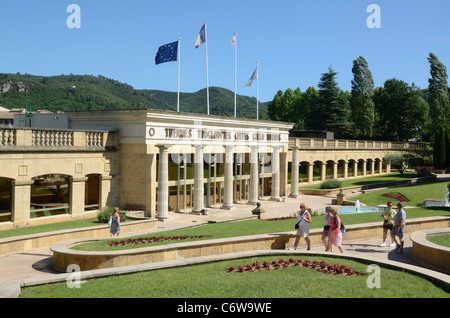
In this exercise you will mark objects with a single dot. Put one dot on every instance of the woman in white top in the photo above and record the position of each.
(326, 227)
(304, 218)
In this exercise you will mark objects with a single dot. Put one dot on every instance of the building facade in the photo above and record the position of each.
(161, 161)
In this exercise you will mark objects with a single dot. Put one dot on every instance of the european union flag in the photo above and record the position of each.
(167, 53)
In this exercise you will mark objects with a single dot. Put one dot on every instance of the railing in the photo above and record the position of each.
(7, 137)
(62, 139)
(335, 144)
(51, 138)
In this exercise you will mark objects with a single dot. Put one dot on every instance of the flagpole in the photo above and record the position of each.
(235, 68)
(178, 82)
(257, 79)
(207, 82)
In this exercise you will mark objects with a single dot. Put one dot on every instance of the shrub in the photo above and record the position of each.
(331, 184)
(106, 212)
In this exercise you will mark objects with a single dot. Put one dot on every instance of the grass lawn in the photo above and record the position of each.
(443, 239)
(395, 176)
(212, 280)
(416, 193)
(73, 224)
(254, 227)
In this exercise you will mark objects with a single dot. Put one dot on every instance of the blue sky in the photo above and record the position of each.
(295, 41)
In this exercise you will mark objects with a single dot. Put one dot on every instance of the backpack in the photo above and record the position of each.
(342, 226)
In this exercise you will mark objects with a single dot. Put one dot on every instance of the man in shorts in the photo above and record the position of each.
(399, 227)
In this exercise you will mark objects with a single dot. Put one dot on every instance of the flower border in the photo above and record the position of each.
(396, 196)
(148, 240)
(322, 267)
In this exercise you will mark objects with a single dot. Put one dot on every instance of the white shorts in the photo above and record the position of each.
(303, 230)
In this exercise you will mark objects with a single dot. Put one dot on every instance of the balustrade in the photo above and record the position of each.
(11, 138)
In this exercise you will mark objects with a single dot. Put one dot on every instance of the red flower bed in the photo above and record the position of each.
(322, 267)
(153, 239)
(396, 196)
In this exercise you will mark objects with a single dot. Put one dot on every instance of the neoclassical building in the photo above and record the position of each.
(161, 161)
(173, 161)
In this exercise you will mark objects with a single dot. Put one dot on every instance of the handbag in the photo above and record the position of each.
(296, 225)
(110, 221)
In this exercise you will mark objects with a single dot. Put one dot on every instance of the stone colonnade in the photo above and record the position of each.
(323, 165)
(276, 169)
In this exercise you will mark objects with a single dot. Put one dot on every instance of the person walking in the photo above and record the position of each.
(388, 223)
(115, 222)
(326, 227)
(304, 218)
(399, 227)
(335, 231)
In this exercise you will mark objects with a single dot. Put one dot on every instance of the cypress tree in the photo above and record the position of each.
(361, 102)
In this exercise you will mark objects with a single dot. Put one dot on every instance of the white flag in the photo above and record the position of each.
(233, 40)
(254, 77)
(201, 37)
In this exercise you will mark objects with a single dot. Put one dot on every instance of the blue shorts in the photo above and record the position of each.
(399, 231)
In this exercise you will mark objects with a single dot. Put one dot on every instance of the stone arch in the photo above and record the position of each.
(352, 168)
(6, 199)
(303, 171)
(342, 169)
(50, 195)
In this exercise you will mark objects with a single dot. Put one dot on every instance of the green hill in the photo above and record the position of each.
(87, 92)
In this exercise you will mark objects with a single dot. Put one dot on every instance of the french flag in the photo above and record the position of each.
(201, 37)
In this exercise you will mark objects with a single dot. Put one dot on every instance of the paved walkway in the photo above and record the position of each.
(36, 264)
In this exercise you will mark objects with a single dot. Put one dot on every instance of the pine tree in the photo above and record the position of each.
(333, 106)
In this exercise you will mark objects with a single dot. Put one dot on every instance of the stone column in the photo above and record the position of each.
(355, 168)
(105, 189)
(199, 191)
(21, 194)
(254, 175)
(323, 171)
(228, 179)
(380, 167)
(310, 172)
(163, 183)
(294, 173)
(364, 167)
(335, 170)
(345, 169)
(150, 185)
(77, 194)
(275, 173)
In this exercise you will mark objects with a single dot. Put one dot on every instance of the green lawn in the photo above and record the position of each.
(254, 227)
(395, 176)
(443, 239)
(416, 193)
(212, 280)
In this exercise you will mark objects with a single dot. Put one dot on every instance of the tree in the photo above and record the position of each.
(310, 101)
(439, 110)
(361, 102)
(283, 107)
(400, 108)
(333, 106)
(438, 94)
(273, 109)
(401, 161)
